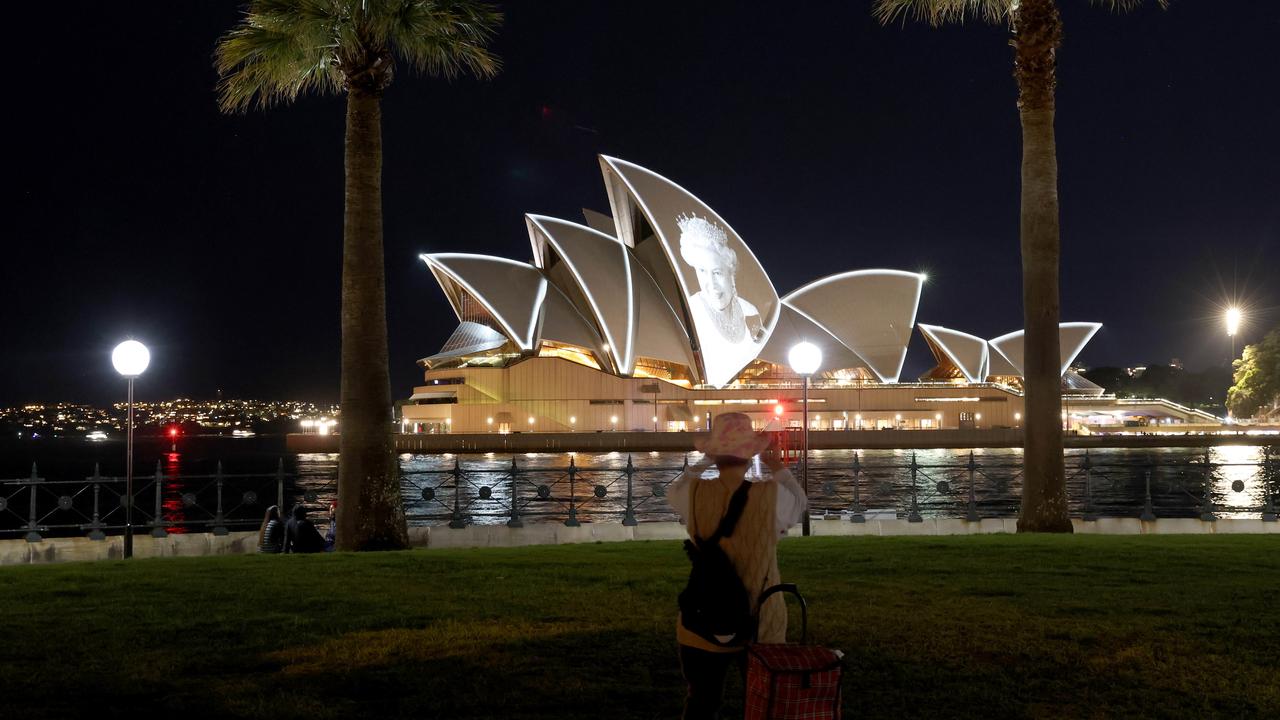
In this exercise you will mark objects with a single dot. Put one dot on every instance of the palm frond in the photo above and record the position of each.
(280, 49)
(442, 37)
(941, 12)
(283, 48)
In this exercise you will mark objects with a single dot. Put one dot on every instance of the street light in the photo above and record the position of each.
(805, 358)
(130, 359)
(1233, 318)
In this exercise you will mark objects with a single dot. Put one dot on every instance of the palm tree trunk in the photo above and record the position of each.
(1038, 28)
(370, 509)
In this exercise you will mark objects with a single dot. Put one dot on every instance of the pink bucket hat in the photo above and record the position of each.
(731, 434)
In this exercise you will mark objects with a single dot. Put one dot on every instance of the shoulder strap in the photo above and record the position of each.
(737, 503)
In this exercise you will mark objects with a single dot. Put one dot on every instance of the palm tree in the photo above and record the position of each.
(1037, 33)
(283, 48)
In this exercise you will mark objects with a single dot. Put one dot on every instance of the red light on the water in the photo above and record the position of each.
(173, 432)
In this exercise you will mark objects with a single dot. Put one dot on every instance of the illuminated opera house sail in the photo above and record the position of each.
(660, 316)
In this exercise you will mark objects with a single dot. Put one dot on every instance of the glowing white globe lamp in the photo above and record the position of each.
(805, 358)
(131, 358)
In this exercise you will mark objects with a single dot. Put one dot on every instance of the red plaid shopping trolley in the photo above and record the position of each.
(792, 681)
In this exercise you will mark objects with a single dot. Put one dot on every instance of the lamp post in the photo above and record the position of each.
(805, 358)
(130, 359)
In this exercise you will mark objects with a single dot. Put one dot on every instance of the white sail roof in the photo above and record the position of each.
(511, 291)
(562, 323)
(1072, 337)
(870, 311)
(517, 297)
(600, 266)
(967, 352)
(729, 326)
(612, 290)
(599, 221)
(794, 328)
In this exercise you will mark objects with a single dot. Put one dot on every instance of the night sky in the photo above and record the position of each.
(828, 142)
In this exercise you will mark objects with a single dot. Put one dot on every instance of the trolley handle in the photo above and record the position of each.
(804, 607)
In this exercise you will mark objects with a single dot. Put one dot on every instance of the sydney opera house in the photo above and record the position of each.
(660, 316)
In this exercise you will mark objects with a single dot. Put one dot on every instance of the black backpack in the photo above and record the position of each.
(715, 604)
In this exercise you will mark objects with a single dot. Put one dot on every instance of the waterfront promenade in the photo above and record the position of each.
(443, 537)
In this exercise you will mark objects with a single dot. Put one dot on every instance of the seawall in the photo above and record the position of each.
(21, 552)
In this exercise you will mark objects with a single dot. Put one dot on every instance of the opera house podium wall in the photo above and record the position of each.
(558, 395)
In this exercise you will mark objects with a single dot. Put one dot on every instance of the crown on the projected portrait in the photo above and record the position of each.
(700, 231)
(704, 243)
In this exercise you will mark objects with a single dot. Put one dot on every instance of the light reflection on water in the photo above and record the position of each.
(1116, 483)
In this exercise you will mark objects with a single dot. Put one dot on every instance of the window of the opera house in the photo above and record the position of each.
(437, 401)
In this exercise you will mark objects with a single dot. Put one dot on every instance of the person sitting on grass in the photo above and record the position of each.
(301, 535)
(271, 534)
(331, 535)
(748, 518)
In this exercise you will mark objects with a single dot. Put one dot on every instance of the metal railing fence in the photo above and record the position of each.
(970, 487)
(214, 502)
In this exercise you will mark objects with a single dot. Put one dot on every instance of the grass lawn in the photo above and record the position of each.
(991, 626)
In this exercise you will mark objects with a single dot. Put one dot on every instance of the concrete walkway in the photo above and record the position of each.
(21, 552)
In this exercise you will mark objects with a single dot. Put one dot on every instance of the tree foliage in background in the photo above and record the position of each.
(1036, 34)
(1204, 390)
(282, 49)
(1256, 388)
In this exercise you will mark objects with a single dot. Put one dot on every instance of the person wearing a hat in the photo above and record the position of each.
(771, 508)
